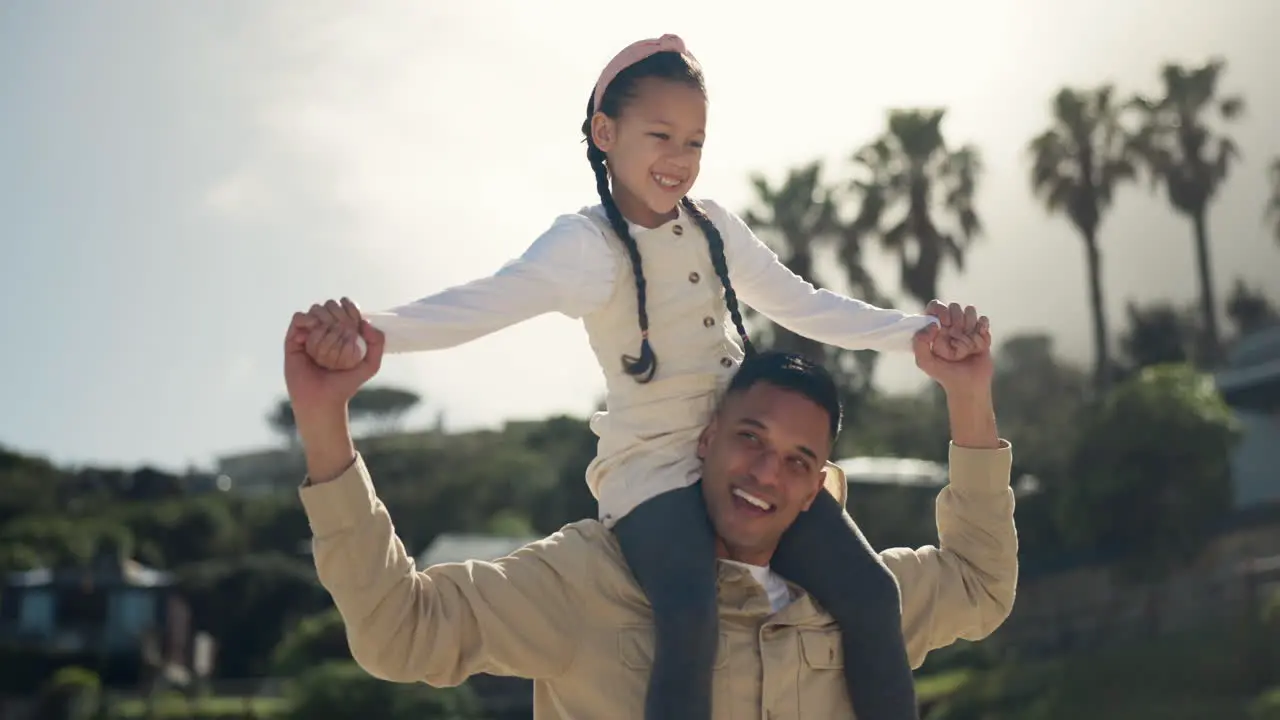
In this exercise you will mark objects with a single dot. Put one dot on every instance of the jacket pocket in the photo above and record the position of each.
(635, 649)
(822, 691)
(821, 649)
(635, 653)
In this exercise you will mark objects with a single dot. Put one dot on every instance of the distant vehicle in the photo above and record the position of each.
(893, 471)
(912, 472)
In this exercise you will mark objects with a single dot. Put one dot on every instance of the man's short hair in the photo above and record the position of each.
(795, 373)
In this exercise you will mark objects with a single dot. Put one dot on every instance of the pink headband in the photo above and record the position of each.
(632, 54)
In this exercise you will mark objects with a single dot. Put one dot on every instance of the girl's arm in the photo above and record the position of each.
(767, 285)
(569, 269)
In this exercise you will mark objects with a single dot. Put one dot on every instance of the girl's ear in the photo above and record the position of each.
(704, 438)
(603, 131)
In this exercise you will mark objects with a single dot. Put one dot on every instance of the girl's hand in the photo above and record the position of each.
(334, 334)
(315, 391)
(962, 332)
(968, 377)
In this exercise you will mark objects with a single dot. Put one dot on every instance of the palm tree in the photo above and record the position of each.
(1273, 202)
(797, 217)
(1076, 165)
(1185, 155)
(910, 171)
(1249, 309)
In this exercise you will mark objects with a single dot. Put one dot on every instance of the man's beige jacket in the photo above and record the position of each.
(566, 612)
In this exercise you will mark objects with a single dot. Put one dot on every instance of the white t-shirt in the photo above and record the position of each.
(774, 586)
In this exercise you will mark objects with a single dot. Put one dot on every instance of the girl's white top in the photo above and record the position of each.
(578, 267)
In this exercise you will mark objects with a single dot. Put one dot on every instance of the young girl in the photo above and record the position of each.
(650, 253)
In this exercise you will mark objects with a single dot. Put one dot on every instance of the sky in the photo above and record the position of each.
(177, 178)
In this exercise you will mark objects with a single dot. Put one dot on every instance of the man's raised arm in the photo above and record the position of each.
(965, 587)
(516, 616)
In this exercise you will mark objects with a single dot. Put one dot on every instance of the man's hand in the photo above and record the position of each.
(961, 330)
(339, 347)
(958, 354)
(967, 382)
(310, 384)
(319, 396)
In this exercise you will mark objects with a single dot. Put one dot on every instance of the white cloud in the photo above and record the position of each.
(240, 370)
(242, 195)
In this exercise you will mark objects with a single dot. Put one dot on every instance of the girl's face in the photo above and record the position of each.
(654, 148)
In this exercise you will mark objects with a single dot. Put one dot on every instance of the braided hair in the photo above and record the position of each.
(715, 243)
(678, 68)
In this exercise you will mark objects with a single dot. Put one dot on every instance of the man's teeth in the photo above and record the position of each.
(665, 181)
(752, 499)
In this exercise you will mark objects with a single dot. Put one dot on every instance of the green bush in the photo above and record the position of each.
(175, 706)
(1151, 473)
(1266, 706)
(342, 691)
(315, 639)
(73, 693)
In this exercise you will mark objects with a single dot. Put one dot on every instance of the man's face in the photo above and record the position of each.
(762, 464)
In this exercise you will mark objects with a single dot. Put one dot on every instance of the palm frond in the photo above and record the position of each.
(1231, 108)
(1176, 142)
(1273, 203)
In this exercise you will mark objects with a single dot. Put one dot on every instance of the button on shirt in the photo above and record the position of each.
(578, 267)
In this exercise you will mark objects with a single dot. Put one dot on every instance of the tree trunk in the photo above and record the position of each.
(921, 277)
(1101, 338)
(1207, 298)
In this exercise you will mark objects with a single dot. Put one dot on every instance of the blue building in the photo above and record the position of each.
(1250, 382)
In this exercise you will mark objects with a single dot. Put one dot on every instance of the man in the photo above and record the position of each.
(566, 612)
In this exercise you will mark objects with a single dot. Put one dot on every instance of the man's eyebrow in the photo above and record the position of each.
(802, 449)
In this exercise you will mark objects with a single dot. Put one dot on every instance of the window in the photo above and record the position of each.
(129, 613)
(36, 612)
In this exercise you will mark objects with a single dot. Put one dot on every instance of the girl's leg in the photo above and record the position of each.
(670, 545)
(825, 553)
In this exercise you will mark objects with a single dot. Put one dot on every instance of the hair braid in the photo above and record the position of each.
(715, 242)
(642, 368)
(666, 65)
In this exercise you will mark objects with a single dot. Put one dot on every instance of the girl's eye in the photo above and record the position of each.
(661, 136)
(697, 144)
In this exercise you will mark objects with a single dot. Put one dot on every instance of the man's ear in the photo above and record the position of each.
(604, 131)
(704, 439)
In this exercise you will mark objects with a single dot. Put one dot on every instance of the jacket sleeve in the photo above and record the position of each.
(964, 588)
(514, 616)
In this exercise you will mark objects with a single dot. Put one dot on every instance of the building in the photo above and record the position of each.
(113, 613)
(1250, 382)
(263, 473)
(280, 470)
(460, 547)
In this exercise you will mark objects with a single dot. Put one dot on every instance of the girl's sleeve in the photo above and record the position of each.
(763, 282)
(568, 269)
